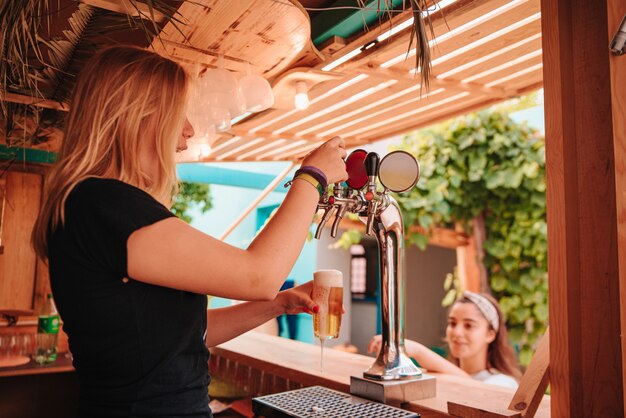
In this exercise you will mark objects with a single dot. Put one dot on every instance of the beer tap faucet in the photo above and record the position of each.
(397, 172)
(328, 209)
(373, 200)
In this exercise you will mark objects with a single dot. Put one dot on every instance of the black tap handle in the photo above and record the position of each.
(371, 164)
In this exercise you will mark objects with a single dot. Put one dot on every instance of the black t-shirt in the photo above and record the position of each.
(138, 348)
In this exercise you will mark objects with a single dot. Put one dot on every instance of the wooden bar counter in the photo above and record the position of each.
(261, 364)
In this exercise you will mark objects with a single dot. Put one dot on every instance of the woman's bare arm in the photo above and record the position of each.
(173, 254)
(227, 323)
(427, 358)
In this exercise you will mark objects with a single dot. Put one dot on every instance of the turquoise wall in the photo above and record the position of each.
(230, 201)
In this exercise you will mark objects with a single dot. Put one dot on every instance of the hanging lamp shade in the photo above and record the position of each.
(257, 93)
(222, 89)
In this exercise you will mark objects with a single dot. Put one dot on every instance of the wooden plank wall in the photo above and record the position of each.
(585, 357)
(616, 10)
(17, 263)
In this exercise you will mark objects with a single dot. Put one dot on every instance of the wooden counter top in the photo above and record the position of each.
(62, 364)
(299, 362)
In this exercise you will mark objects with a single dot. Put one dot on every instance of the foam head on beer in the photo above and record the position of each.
(328, 295)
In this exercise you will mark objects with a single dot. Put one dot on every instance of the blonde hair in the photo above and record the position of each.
(124, 96)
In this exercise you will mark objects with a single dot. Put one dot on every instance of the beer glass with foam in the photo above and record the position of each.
(328, 295)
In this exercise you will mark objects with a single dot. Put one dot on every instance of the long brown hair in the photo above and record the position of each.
(123, 97)
(500, 354)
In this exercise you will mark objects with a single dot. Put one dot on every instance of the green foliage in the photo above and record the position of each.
(350, 237)
(485, 163)
(196, 194)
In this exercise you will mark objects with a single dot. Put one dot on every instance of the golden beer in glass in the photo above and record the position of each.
(328, 295)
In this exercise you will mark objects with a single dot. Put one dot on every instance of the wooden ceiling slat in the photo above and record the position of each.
(388, 114)
(489, 76)
(388, 111)
(507, 63)
(528, 79)
(228, 146)
(408, 123)
(447, 43)
(380, 127)
(448, 114)
(315, 110)
(297, 153)
(267, 134)
(242, 147)
(516, 77)
(448, 84)
(337, 126)
(223, 141)
(515, 43)
(267, 145)
(254, 147)
(318, 92)
(359, 107)
(283, 149)
(453, 16)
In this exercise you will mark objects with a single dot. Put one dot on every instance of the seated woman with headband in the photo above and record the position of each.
(478, 341)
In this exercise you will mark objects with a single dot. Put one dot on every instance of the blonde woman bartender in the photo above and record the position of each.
(129, 278)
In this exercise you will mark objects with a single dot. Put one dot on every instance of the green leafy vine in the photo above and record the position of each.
(191, 194)
(485, 163)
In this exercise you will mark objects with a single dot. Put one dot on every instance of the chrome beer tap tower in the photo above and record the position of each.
(398, 172)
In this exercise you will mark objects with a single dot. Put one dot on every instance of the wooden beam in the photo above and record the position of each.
(17, 264)
(35, 101)
(616, 11)
(585, 352)
(245, 133)
(470, 266)
(390, 73)
(270, 187)
(533, 385)
(440, 117)
(438, 20)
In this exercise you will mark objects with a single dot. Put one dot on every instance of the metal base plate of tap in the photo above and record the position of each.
(320, 402)
(394, 392)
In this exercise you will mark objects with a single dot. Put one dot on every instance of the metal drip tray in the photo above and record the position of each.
(320, 402)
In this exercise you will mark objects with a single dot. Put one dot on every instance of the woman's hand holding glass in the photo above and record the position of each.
(297, 300)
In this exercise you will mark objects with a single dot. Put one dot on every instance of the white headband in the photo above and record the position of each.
(485, 307)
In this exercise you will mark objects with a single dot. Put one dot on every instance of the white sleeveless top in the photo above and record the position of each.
(494, 377)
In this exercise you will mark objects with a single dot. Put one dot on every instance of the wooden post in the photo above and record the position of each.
(533, 385)
(616, 10)
(585, 352)
(269, 189)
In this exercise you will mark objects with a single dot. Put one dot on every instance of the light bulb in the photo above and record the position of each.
(302, 98)
(205, 150)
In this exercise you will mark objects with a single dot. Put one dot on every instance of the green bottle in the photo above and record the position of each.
(47, 332)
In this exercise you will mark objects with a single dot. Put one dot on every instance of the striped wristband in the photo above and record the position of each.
(313, 182)
(314, 172)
